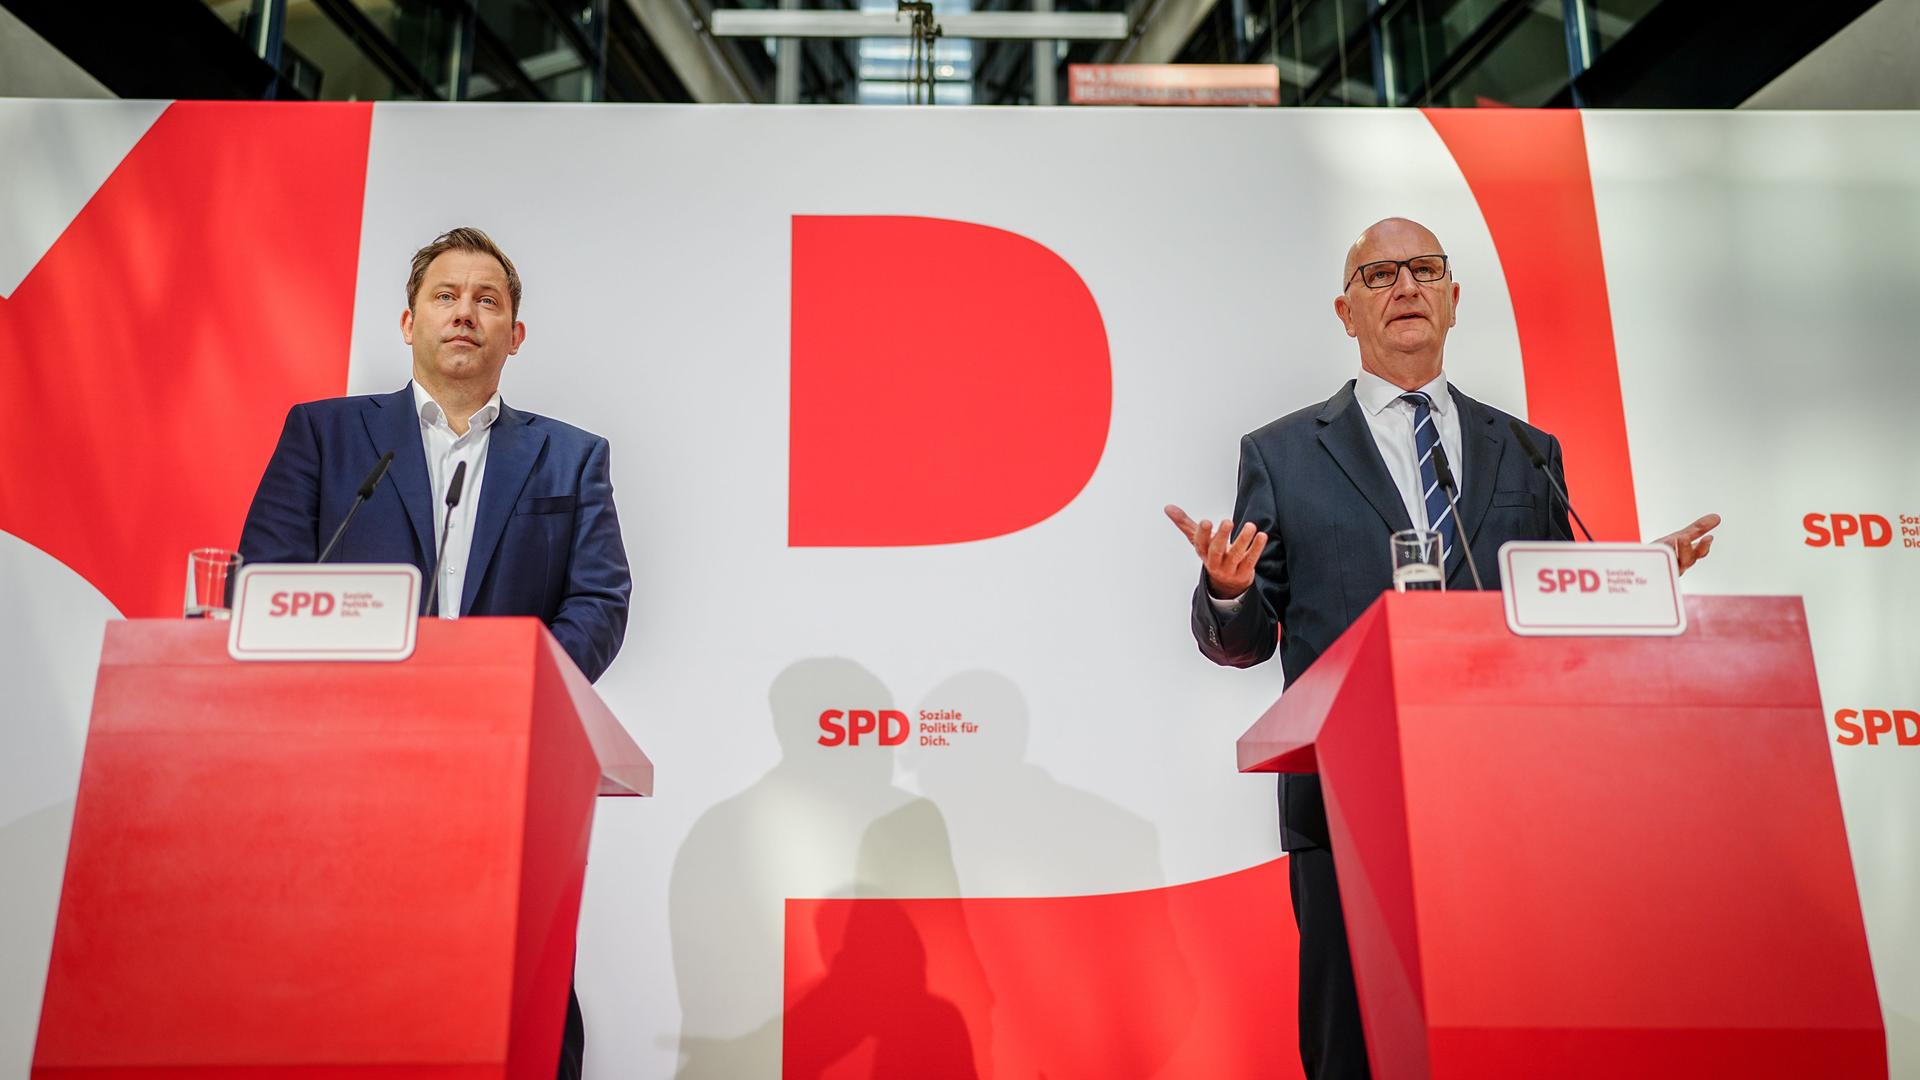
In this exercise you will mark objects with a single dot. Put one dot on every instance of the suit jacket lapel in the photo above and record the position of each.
(1346, 436)
(512, 448)
(1482, 446)
(393, 425)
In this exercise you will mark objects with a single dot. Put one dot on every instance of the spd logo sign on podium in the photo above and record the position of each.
(295, 612)
(1559, 589)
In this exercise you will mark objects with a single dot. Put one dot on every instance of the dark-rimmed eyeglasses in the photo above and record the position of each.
(1380, 275)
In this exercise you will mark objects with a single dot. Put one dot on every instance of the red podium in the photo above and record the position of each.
(1586, 857)
(328, 870)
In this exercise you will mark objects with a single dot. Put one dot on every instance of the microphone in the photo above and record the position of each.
(453, 500)
(366, 491)
(1540, 462)
(1444, 473)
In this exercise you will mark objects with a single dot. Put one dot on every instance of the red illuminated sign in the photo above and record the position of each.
(1173, 84)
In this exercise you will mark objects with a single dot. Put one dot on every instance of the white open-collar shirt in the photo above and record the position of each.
(445, 451)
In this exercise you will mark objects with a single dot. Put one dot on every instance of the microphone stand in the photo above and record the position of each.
(1540, 462)
(453, 500)
(1444, 473)
(366, 491)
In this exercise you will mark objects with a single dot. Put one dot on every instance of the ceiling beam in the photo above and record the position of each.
(679, 30)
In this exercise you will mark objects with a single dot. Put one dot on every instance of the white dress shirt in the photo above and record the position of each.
(445, 451)
(1390, 418)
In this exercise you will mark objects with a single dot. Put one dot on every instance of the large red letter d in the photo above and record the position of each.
(950, 382)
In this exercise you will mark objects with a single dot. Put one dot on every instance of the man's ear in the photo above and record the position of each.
(1453, 309)
(1345, 311)
(519, 337)
(406, 326)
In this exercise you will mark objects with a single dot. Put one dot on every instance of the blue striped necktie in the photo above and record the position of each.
(1426, 435)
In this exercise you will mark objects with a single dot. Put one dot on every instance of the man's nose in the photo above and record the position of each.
(464, 310)
(1403, 283)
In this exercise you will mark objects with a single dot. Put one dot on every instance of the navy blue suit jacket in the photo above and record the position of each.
(545, 542)
(1315, 483)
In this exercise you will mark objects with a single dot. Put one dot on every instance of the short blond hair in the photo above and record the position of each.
(469, 239)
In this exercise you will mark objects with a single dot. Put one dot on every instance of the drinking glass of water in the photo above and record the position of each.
(1418, 561)
(210, 576)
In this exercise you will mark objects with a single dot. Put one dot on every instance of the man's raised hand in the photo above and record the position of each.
(1229, 559)
(1692, 543)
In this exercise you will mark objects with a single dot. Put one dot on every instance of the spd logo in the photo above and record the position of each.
(291, 604)
(844, 728)
(1900, 727)
(1566, 580)
(1838, 530)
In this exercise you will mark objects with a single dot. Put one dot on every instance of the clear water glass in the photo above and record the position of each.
(1418, 561)
(210, 577)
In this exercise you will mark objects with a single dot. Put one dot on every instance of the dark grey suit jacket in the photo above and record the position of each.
(1315, 483)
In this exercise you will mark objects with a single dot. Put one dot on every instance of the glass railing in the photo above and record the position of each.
(368, 50)
(1424, 52)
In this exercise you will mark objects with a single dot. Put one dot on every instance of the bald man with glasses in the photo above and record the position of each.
(1306, 550)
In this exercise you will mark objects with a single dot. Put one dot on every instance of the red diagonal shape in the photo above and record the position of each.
(153, 352)
(1194, 980)
(1528, 171)
(950, 382)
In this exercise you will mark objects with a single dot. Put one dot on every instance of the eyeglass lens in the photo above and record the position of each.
(1379, 275)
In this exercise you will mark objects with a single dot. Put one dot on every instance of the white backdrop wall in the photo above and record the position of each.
(1757, 267)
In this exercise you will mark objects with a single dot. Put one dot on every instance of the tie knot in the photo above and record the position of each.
(1417, 400)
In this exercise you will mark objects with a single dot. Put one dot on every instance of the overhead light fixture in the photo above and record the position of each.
(976, 25)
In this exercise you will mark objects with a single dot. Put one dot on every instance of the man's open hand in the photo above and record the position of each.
(1229, 559)
(1692, 543)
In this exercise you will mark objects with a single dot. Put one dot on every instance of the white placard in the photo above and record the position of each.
(351, 612)
(1602, 590)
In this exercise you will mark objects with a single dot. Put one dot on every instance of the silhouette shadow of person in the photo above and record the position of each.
(802, 830)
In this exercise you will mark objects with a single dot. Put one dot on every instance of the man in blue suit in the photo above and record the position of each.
(534, 532)
(1320, 492)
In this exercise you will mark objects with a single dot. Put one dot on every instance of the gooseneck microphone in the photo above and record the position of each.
(1444, 473)
(366, 491)
(453, 500)
(1540, 462)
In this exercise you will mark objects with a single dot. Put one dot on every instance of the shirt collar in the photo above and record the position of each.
(1376, 394)
(432, 415)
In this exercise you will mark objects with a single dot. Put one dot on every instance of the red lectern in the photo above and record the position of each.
(1586, 857)
(328, 870)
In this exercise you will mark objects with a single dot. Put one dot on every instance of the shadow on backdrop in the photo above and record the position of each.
(873, 1014)
(801, 830)
(1083, 986)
